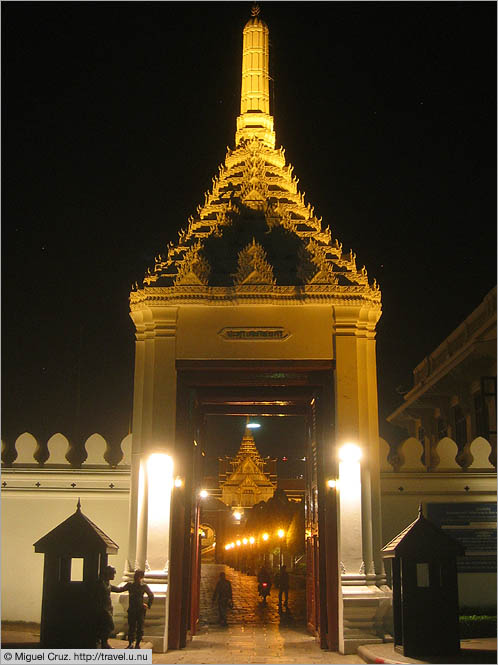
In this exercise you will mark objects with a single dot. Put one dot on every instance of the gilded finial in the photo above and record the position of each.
(255, 9)
(78, 505)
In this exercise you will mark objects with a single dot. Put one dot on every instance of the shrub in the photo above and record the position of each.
(477, 625)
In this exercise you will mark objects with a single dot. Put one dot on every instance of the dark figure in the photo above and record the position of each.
(137, 607)
(223, 593)
(264, 577)
(283, 587)
(105, 623)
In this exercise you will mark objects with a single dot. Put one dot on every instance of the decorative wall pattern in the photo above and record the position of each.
(59, 450)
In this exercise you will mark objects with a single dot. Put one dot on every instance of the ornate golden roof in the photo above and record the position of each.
(255, 238)
(247, 466)
(247, 449)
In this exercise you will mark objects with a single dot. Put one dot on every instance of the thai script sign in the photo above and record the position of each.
(254, 334)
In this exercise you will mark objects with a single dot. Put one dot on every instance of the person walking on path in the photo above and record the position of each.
(105, 623)
(223, 594)
(137, 607)
(283, 587)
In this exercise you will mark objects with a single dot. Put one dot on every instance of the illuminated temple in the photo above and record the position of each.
(256, 310)
(255, 237)
(247, 478)
(280, 304)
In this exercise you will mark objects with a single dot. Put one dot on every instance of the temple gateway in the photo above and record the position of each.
(257, 304)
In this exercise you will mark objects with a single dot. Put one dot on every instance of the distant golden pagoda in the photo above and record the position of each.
(251, 478)
(255, 239)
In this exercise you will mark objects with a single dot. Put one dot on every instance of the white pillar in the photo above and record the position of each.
(363, 603)
(350, 511)
(154, 421)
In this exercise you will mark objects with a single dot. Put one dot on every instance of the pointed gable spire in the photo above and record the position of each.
(248, 447)
(255, 119)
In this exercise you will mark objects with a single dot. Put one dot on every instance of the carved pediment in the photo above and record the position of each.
(194, 269)
(253, 266)
(314, 267)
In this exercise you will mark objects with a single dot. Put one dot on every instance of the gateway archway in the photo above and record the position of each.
(259, 389)
(257, 309)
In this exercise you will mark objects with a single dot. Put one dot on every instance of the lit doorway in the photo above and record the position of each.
(259, 390)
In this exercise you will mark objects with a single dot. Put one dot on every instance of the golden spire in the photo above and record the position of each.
(255, 119)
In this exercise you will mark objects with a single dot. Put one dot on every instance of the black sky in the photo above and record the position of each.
(117, 115)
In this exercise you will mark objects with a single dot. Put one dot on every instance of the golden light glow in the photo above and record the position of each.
(203, 494)
(159, 465)
(178, 481)
(227, 547)
(265, 536)
(333, 484)
(280, 533)
(232, 545)
(238, 543)
(251, 540)
(237, 515)
(159, 471)
(350, 452)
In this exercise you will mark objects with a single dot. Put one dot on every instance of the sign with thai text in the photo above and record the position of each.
(254, 334)
(474, 526)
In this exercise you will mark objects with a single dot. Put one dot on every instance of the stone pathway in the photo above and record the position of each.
(256, 633)
(248, 608)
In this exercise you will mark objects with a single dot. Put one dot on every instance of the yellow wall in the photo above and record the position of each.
(310, 332)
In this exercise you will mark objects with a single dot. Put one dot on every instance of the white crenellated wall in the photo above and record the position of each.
(27, 450)
(447, 477)
(37, 497)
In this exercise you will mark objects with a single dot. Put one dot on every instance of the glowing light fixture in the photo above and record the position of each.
(280, 533)
(333, 484)
(251, 540)
(160, 480)
(265, 536)
(253, 425)
(238, 543)
(178, 481)
(203, 494)
(227, 547)
(159, 464)
(350, 452)
(244, 541)
(237, 515)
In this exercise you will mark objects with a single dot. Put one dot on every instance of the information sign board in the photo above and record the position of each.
(473, 524)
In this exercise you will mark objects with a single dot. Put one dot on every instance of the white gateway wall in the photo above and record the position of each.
(413, 483)
(37, 498)
(26, 517)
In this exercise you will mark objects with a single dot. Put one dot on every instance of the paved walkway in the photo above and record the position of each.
(248, 608)
(256, 633)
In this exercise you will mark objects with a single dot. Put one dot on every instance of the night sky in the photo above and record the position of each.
(117, 115)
